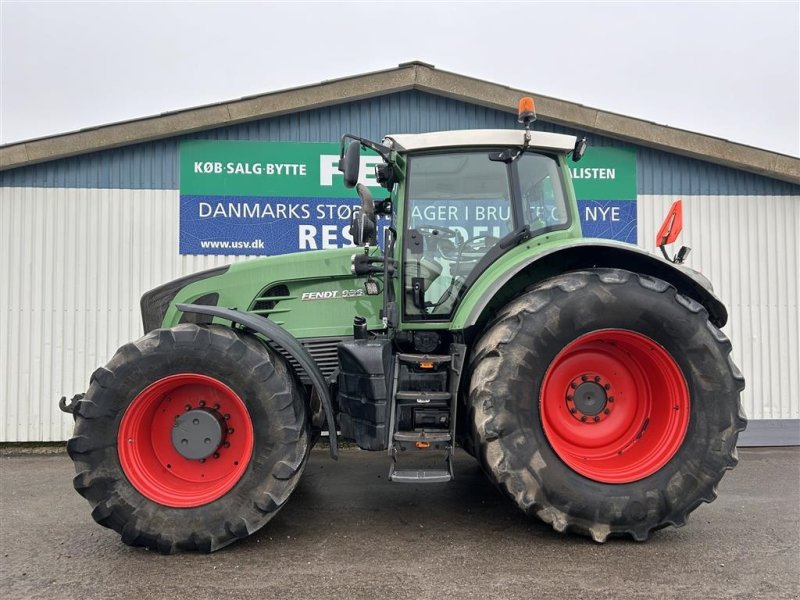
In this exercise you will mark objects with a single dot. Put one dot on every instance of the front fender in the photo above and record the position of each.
(285, 340)
(510, 276)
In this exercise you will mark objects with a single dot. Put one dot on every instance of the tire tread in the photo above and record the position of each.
(101, 481)
(488, 409)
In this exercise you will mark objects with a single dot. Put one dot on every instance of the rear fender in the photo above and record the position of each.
(578, 255)
(279, 336)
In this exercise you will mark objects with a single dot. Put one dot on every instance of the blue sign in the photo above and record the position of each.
(610, 219)
(245, 225)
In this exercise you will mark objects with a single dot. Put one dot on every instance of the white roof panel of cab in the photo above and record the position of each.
(479, 137)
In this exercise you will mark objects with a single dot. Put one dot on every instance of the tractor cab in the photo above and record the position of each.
(459, 201)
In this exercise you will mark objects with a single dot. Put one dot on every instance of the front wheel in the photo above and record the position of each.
(604, 402)
(190, 438)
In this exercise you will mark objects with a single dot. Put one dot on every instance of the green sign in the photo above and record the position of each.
(266, 169)
(605, 174)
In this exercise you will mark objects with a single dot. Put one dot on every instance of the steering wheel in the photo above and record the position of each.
(441, 240)
(479, 244)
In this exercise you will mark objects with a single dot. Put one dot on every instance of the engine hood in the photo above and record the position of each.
(311, 294)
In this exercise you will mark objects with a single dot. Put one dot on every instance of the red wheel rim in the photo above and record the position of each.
(153, 465)
(614, 406)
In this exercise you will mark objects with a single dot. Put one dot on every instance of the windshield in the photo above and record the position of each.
(458, 206)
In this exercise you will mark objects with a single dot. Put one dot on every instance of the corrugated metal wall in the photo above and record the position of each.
(748, 247)
(74, 263)
(82, 238)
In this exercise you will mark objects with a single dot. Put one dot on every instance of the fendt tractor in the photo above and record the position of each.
(589, 378)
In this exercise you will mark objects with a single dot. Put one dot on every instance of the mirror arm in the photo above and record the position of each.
(679, 258)
(384, 151)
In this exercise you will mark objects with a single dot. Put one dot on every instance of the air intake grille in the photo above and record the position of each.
(323, 351)
(266, 303)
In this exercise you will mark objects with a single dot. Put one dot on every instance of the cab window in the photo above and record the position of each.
(542, 191)
(458, 206)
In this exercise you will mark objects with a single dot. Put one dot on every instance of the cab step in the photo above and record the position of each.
(420, 475)
(422, 436)
(422, 397)
(415, 359)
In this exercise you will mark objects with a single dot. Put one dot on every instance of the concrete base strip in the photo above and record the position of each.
(771, 432)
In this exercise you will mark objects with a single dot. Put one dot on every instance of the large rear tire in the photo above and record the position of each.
(135, 472)
(605, 403)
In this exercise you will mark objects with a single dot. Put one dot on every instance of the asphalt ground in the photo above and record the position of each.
(348, 533)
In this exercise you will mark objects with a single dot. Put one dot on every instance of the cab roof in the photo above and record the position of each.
(479, 137)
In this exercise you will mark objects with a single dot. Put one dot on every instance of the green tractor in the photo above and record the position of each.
(589, 378)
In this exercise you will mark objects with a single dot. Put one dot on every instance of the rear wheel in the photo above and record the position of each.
(600, 396)
(189, 439)
(604, 402)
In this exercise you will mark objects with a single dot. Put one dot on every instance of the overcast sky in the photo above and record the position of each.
(726, 69)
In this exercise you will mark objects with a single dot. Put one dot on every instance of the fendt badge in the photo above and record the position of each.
(332, 294)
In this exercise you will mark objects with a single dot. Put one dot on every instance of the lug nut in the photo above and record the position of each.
(216, 406)
(202, 460)
(216, 454)
(573, 385)
(584, 378)
(606, 411)
(583, 419)
(202, 402)
(611, 398)
(226, 445)
(226, 417)
(230, 429)
(607, 386)
(597, 378)
(597, 419)
(188, 407)
(573, 410)
(569, 398)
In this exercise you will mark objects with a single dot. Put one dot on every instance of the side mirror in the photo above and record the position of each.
(349, 163)
(356, 231)
(363, 229)
(580, 148)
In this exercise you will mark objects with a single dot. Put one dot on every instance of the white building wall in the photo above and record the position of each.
(74, 262)
(748, 246)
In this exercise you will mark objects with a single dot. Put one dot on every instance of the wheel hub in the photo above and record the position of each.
(198, 433)
(590, 398)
